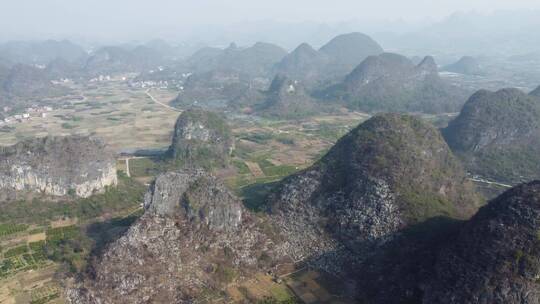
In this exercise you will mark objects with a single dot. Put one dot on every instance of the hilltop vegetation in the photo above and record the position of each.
(497, 134)
(201, 139)
(391, 82)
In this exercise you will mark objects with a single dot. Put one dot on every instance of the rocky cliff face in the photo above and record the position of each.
(495, 258)
(201, 139)
(391, 172)
(194, 238)
(57, 166)
(361, 201)
(498, 135)
(391, 82)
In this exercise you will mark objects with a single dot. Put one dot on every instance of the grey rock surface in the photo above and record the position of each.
(58, 166)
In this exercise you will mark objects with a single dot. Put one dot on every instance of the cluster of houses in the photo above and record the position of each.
(33, 111)
(108, 78)
(151, 84)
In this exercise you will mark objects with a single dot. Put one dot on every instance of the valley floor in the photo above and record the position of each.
(38, 247)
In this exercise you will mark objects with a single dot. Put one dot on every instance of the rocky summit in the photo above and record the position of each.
(393, 83)
(57, 166)
(495, 257)
(201, 139)
(391, 172)
(497, 134)
(194, 238)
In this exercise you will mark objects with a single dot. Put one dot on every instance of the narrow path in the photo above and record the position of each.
(127, 168)
(147, 92)
(126, 160)
(480, 180)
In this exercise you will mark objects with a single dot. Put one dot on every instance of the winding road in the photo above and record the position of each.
(147, 92)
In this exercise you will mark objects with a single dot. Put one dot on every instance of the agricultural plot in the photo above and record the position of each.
(126, 118)
(315, 287)
(21, 258)
(11, 229)
(45, 294)
(266, 151)
(261, 289)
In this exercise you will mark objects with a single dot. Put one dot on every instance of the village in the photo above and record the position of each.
(28, 113)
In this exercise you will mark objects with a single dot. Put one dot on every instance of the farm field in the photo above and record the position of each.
(126, 118)
(40, 242)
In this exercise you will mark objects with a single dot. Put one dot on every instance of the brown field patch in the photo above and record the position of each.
(255, 169)
(36, 237)
(64, 222)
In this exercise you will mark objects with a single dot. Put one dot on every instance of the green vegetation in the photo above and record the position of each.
(254, 195)
(15, 251)
(290, 300)
(140, 167)
(21, 258)
(9, 229)
(210, 150)
(258, 137)
(421, 206)
(68, 126)
(68, 245)
(126, 195)
(46, 299)
(225, 274)
(241, 167)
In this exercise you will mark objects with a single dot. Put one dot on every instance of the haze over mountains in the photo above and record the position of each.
(310, 164)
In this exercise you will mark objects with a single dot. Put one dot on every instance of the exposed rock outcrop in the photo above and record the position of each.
(495, 258)
(194, 238)
(391, 172)
(497, 134)
(201, 139)
(58, 166)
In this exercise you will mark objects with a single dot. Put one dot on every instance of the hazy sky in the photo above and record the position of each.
(127, 18)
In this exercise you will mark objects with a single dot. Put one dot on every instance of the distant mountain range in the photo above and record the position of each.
(334, 60)
(23, 84)
(392, 82)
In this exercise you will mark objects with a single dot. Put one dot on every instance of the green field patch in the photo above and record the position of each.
(15, 251)
(142, 167)
(10, 229)
(125, 196)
